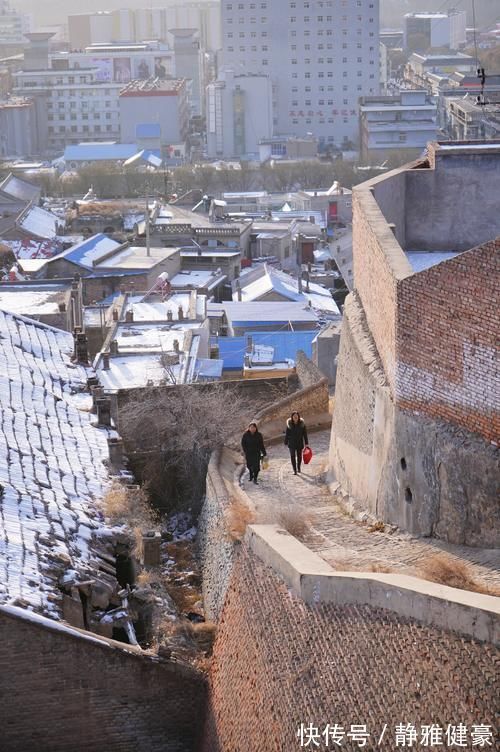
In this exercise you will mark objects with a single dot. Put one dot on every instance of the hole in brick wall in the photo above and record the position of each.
(408, 495)
(403, 463)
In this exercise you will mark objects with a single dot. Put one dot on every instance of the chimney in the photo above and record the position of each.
(151, 549)
(62, 307)
(115, 314)
(249, 344)
(91, 382)
(246, 361)
(113, 347)
(81, 350)
(97, 393)
(103, 411)
(176, 345)
(180, 313)
(299, 280)
(238, 290)
(105, 361)
(170, 315)
(307, 282)
(115, 448)
(129, 316)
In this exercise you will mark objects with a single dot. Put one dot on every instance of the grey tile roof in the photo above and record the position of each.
(51, 464)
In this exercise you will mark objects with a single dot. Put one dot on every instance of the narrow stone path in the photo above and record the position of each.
(304, 505)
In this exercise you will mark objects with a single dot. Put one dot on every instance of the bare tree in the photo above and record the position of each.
(175, 430)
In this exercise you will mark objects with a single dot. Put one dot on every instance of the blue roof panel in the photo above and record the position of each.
(95, 151)
(286, 344)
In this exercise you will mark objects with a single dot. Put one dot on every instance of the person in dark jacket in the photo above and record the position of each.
(252, 443)
(296, 439)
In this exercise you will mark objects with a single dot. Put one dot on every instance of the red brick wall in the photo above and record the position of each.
(278, 662)
(447, 341)
(60, 693)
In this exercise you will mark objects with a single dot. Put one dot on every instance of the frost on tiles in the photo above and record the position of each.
(51, 465)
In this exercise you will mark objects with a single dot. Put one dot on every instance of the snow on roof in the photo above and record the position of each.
(51, 465)
(41, 223)
(90, 251)
(272, 280)
(20, 189)
(196, 278)
(421, 260)
(263, 312)
(155, 309)
(31, 300)
(29, 248)
(135, 257)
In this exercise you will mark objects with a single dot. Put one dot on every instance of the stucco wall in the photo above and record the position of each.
(455, 206)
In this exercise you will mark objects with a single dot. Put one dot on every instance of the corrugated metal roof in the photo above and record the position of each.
(20, 189)
(90, 250)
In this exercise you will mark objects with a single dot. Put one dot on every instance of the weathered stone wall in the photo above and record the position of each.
(447, 341)
(279, 663)
(64, 691)
(425, 475)
(216, 549)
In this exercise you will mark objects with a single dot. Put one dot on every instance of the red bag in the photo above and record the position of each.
(307, 454)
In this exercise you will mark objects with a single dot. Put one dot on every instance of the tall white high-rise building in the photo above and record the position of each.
(322, 55)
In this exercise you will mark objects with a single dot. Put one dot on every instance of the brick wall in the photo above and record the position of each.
(447, 341)
(378, 263)
(62, 691)
(278, 663)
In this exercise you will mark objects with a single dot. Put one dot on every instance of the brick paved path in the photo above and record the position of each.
(345, 543)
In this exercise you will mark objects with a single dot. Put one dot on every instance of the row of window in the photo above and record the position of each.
(76, 129)
(84, 116)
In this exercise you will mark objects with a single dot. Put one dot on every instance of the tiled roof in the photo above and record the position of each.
(51, 464)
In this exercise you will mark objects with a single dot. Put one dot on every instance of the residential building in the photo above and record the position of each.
(420, 67)
(466, 120)
(18, 135)
(422, 31)
(239, 114)
(158, 102)
(321, 58)
(267, 284)
(405, 121)
(234, 319)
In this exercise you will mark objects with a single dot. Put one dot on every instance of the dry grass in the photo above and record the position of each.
(350, 565)
(129, 505)
(238, 517)
(377, 527)
(295, 520)
(446, 570)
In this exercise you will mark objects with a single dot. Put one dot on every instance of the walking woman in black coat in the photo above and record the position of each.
(253, 447)
(296, 439)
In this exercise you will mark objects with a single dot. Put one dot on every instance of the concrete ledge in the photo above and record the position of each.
(315, 581)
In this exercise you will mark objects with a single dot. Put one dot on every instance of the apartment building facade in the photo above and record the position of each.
(321, 55)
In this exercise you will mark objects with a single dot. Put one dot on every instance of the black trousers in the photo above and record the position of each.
(296, 458)
(253, 464)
